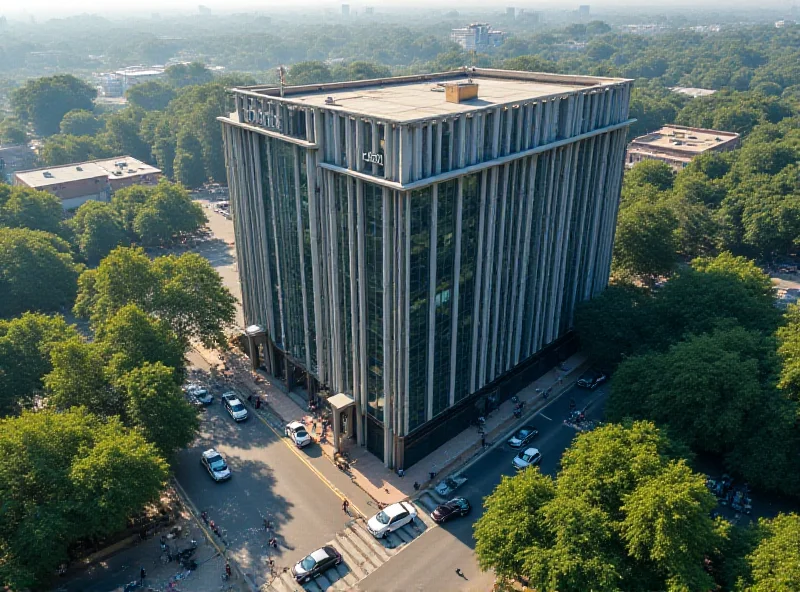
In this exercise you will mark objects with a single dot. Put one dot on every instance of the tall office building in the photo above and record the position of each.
(414, 243)
(477, 36)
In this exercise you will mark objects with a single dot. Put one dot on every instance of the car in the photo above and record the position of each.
(215, 465)
(526, 458)
(391, 518)
(458, 506)
(200, 393)
(522, 436)
(316, 563)
(297, 432)
(235, 407)
(591, 379)
(195, 402)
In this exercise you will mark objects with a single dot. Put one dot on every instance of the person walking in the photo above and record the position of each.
(483, 440)
(142, 576)
(346, 506)
(459, 573)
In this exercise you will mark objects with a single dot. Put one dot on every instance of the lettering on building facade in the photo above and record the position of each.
(373, 158)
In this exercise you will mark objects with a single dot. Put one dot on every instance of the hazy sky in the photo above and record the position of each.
(43, 9)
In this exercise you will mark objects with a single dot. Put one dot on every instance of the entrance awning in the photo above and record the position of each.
(341, 401)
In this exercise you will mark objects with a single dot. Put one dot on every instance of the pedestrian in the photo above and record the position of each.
(459, 573)
(416, 486)
(314, 426)
(273, 542)
(483, 440)
(560, 379)
(250, 398)
(266, 524)
(204, 516)
(227, 569)
(258, 402)
(142, 575)
(346, 506)
(401, 473)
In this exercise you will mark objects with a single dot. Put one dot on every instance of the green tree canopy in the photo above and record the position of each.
(156, 406)
(645, 244)
(23, 207)
(12, 132)
(37, 272)
(82, 478)
(60, 149)
(167, 213)
(80, 122)
(98, 230)
(25, 346)
(181, 75)
(651, 172)
(308, 73)
(789, 351)
(774, 564)
(151, 96)
(188, 164)
(43, 102)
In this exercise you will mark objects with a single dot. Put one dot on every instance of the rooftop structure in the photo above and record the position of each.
(477, 36)
(678, 145)
(79, 182)
(412, 243)
(693, 92)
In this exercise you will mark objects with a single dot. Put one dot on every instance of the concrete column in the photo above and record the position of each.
(428, 167)
(388, 353)
(301, 249)
(511, 326)
(355, 327)
(362, 302)
(456, 290)
(530, 199)
(406, 155)
(335, 144)
(389, 155)
(486, 303)
(462, 141)
(432, 301)
(477, 311)
(498, 281)
(496, 133)
(270, 174)
(437, 154)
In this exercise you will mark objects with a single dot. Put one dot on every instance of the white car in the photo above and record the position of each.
(198, 392)
(391, 518)
(297, 432)
(235, 407)
(526, 458)
(215, 465)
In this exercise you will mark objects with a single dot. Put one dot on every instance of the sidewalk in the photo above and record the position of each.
(366, 470)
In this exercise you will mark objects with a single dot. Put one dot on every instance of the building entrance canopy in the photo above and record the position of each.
(342, 406)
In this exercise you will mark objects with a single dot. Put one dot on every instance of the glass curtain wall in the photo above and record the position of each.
(373, 251)
(343, 187)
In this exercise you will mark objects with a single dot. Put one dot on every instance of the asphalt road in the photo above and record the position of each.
(429, 563)
(269, 480)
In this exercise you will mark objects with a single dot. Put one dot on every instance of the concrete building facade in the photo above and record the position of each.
(677, 145)
(413, 242)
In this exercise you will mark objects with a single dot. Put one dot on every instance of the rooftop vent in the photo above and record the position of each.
(48, 174)
(330, 101)
(459, 92)
(78, 168)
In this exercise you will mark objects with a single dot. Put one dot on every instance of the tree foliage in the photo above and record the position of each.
(37, 272)
(80, 122)
(23, 207)
(645, 245)
(151, 96)
(65, 477)
(12, 132)
(774, 563)
(623, 513)
(43, 102)
(98, 230)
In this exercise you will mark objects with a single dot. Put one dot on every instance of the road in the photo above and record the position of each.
(269, 480)
(430, 562)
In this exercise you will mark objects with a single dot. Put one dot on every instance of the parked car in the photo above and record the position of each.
(522, 436)
(526, 458)
(215, 465)
(297, 432)
(591, 379)
(456, 507)
(235, 407)
(195, 402)
(315, 564)
(391, 518)
(199, 392)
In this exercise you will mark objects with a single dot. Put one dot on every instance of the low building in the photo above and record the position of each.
(75, 184)
(693, 92)
(477, 36)
(134, 75)
(677, 145)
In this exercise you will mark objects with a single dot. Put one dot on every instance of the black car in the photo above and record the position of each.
(591, 378)
(455, 508)
(522, 436)
(315, 564)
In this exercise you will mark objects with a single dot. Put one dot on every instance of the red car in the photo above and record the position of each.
(455, 508)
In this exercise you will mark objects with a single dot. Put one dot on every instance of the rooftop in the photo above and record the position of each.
(419, 97)
(690, 140)
(113, 168)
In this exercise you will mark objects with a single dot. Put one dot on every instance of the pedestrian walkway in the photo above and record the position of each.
(366, 470)
(361, 554)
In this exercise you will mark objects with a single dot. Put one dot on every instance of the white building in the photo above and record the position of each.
(477, 36)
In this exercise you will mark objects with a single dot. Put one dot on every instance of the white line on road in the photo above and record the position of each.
(547, 418)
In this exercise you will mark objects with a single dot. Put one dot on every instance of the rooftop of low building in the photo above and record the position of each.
(120, 167)
(691, 140)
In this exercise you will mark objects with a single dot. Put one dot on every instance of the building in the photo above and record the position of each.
(134, 75)
(677, 145)
(369, 10)
(511, 12)
(692, 91)
(584, 11)
(477, 36)
(77, 183)
(345, 10)
(418, 244)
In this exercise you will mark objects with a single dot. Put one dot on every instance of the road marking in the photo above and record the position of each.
(305, 461)
(547, 418)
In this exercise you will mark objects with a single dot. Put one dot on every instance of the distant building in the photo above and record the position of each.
(75, 184)
(677, 145)
(345, 10)
(511, 12)
(648, 29)
(13, 158)
(583, 11)
(369, 10)
(693, 92)
(134, 75)
(477, 36)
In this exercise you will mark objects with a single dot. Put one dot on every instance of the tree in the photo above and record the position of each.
(80, 122)
(156, 406)
(36, 272)
(623, 514)
(131, 338)
(789, 351)
(193, 74)
(645, 244)
(185, 292)
(364, 71)
(167, 213)
(60, 149)
(188, 165)
(83, 478)
(128, 201)
(753, 279)
(651, 172)
(43, 102)
(774, 564)
(303, 73)
(97, 230)
(78, 379)
(150, 96)
(529, 63)
(12, 132)
(23, 207)
(122, 133)
(25, 345)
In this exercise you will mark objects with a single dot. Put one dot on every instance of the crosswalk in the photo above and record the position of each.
(361, 552)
